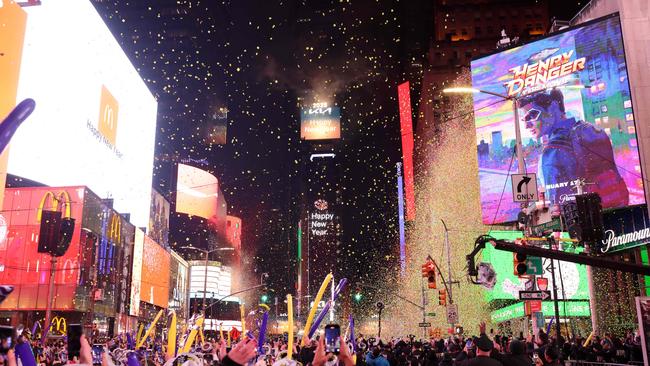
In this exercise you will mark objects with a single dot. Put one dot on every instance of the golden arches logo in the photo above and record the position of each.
(114, 231)
(108, 112)
(55, 201)
(58, 326)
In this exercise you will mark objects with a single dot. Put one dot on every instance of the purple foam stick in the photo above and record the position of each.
(319, 319)
(11, 123)
(132, 359)
(36, 324)
(260, 341)
(24, 353)
(548, 328)
(129, 341)
(354, 341)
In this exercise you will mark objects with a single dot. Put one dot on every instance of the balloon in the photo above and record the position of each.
(290, 326)
(319, 319)
(190, 340)
(242, 314)
(132, 359)
(351, 327)
(11, 123)
(312, 312)
(129, 341)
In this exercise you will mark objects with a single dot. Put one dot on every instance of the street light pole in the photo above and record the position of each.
(205, 274)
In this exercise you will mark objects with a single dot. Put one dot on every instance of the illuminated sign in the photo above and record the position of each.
(625, 229)
(573, 309)
(154, 287)
(539, 75)
(320, 122)
(108, 133)
(406, 130)
(508, 285)
(319, 222)
(136, 273)
(576, 119)
(197, 192)
(219, 280)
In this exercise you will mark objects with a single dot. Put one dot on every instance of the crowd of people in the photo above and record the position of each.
(485, 349)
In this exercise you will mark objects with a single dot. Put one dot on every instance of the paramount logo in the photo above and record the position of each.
(612, 241)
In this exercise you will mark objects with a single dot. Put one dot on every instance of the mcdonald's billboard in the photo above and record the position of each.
(110, 127)
(20, 263)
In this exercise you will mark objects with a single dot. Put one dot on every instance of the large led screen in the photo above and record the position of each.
(197, 192)
(576, 119)
(21, 265)
(154, 288)
(320, 123)
(574, 284)
(95, 119)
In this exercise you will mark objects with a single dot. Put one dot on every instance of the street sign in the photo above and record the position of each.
(424, 325)
(524, 187)
(532, 306)
(542, 283)
(452, 313)
(431, 314)
(539, 319)
(534, 295)
(534, 266)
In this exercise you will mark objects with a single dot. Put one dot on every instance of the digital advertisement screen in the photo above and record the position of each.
(406, 129)
(159, 219)
(219, 280)
(197, 192)
(320, 123)
(154, 287)
(508, 285)
(21, 265)
(95, 119)
(136, 273)
(576, 119)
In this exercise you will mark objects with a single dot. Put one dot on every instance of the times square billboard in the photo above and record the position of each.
(320, 122)
(95, 120)
(576, 118)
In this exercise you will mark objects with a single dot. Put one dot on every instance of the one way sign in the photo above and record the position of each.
(524, 187)
(534, 295)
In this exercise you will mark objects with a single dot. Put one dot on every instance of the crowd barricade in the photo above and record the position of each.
(586, 363)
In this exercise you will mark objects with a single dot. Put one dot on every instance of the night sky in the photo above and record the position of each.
(261, 60)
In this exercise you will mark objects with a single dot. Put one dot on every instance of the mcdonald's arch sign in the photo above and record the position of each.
(57, 202)
(58, 326)
(108, 109)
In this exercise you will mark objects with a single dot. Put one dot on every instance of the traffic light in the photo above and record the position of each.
(429, 272)
(519, 264)
(357, 296)
(442, 297)
(264, 298)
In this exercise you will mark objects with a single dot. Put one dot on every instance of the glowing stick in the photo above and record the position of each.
(327, 307)
(312, 312)
(229, 337)
(290, 324)
(171, 337)
(150, 330)
(221, 331)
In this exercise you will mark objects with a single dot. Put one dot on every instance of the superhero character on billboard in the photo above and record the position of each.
(571, 151)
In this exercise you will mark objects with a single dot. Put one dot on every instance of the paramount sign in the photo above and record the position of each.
(613, 242)
(625, 229)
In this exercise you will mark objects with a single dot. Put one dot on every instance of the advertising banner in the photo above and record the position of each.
(95, 122)
(159, 219)
(576, 119)
(155, 274)
(508, 285)
(643, 317)
(320, 123)
(406, 130)
(20, 263)
(197, 192)
(12, 35)
(136, 273)
(625, 229)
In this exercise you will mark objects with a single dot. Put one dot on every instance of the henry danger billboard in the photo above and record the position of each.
(576, 119)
